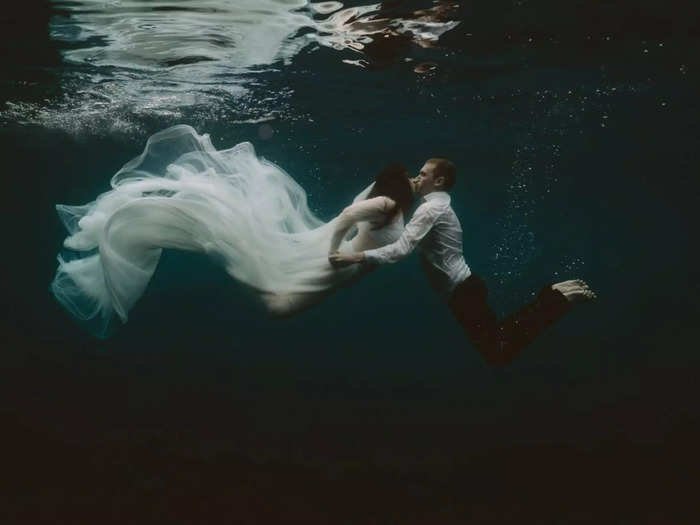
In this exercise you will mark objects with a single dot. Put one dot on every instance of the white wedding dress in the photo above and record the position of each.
(242, 210)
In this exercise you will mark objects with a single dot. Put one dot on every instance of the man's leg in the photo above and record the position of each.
(500, 342)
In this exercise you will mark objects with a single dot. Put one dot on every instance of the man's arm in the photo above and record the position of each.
(419, 226)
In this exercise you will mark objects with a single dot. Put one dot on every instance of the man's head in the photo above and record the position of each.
(435, 175)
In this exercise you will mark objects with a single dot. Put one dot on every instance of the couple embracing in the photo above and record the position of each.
(253, 218)
(436, 232)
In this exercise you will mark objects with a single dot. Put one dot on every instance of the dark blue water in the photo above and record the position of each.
(575, 133)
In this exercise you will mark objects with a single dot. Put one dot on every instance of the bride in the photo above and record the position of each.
(231, 205)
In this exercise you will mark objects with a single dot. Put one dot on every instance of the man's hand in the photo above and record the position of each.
(340, 260)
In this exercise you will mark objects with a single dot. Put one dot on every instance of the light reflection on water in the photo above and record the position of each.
(163, 35)
(131, 59)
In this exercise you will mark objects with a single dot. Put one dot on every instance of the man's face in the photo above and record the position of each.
(425, 182)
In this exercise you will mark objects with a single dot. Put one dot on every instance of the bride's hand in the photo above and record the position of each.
(340, 260)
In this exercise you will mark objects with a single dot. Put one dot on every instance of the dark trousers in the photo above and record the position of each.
(500, 341)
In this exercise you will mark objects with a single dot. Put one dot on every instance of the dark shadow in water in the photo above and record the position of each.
(25, 36)
(29, 56)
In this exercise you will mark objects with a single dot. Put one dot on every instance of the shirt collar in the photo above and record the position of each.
(440, 197)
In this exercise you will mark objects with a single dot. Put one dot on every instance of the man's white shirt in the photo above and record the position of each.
(436, 231)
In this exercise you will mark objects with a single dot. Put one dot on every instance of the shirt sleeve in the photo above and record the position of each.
(374, 209)
(423, 220)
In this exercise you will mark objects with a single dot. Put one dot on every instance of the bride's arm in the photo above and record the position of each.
(374, 209)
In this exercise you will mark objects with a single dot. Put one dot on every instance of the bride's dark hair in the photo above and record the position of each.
(393, 182)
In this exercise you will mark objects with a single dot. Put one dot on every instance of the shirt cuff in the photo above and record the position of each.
(372, 257)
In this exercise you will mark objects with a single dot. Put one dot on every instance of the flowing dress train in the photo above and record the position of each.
(182, 193)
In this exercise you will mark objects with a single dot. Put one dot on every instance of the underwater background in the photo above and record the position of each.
(574, 128)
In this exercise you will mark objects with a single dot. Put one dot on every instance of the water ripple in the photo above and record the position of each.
(243, 34)
(135, 57)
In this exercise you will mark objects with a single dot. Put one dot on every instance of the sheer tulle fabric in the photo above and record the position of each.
(182, 193)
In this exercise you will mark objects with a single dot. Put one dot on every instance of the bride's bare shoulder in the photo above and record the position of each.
(384, 203)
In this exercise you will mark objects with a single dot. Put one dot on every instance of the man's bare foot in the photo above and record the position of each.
(575, 291)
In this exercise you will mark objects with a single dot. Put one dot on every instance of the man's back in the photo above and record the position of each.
(441, 252)
(436, 231)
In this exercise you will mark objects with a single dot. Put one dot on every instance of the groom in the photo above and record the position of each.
(436, 231)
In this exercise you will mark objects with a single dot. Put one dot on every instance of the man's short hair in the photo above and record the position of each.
(446, 169)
